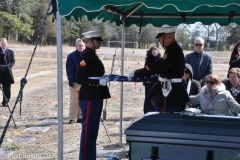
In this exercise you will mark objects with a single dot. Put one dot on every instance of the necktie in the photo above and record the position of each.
(199, 57)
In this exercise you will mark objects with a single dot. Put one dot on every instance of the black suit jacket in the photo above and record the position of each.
(200, 69)
(8, 59)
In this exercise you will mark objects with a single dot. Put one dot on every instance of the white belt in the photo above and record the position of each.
(176, 80)
(173, 80)
(95, 77)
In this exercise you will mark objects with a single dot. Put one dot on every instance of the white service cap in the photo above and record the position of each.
(165, 29)
(96, 35)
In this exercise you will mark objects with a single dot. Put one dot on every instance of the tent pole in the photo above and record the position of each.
(122, 73)
(60, 87)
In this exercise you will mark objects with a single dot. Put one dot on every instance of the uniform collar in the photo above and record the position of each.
(90, 49)
(171, 45)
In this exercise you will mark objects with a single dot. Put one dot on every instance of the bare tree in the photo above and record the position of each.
(209, 32)
(218, 31)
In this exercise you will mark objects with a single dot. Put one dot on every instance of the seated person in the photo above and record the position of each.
(232, 84)
(192, 86)
(214, 99)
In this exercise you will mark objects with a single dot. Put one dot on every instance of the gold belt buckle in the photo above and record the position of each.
(165, 87)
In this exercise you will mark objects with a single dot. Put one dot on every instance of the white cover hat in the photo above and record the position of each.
(165, 29)
(96, 34)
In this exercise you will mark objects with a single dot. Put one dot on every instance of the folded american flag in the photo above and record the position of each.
(150, 78)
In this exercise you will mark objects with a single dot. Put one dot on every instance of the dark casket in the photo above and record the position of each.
(182, 137)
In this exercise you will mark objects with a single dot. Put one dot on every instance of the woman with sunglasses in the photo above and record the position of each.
(214, 98)
(192, 86)
(235, 57)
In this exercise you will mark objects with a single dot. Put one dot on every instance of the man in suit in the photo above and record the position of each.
(7, 60)
(200, 61)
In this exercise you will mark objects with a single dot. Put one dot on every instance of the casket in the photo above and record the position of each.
(182, 137)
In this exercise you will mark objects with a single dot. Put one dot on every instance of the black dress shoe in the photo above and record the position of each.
(4, 104)
(71, 122)
(79, 120)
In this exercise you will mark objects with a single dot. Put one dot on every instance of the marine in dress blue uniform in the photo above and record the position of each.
(170, 69)
(92, 92)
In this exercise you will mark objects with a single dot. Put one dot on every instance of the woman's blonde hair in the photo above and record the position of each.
(215, 77)
(234, 70)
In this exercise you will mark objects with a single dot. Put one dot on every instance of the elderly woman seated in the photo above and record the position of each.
(232, 84)
(214, 99)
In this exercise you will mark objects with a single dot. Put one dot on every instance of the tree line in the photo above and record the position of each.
(21, 22)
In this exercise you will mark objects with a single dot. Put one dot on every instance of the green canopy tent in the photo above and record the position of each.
(141, 13)
(156, 12)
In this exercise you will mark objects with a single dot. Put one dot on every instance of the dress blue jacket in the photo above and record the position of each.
(72, 66)
(200, 69)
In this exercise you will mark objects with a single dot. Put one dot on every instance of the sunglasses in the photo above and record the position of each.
(210, 82)
(198, 45)
(186, 72)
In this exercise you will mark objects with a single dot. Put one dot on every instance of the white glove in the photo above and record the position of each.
(103, 81)
(131, 75)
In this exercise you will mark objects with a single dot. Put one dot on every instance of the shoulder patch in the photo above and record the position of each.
(82, 63)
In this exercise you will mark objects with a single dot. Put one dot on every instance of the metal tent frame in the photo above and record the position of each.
(130, 13)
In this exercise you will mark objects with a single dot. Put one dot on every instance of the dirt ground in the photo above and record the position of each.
(39, 102)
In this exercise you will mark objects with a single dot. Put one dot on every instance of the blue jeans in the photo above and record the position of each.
(91, 113)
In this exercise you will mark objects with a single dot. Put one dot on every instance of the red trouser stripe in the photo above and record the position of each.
(163, 110)
(86, 131)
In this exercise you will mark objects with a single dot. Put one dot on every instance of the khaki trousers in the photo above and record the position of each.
(74, 109)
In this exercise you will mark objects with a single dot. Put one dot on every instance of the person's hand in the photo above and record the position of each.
(131, 75)
(164, 56)
(3, 68)
(103, 81)
(70, 83)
